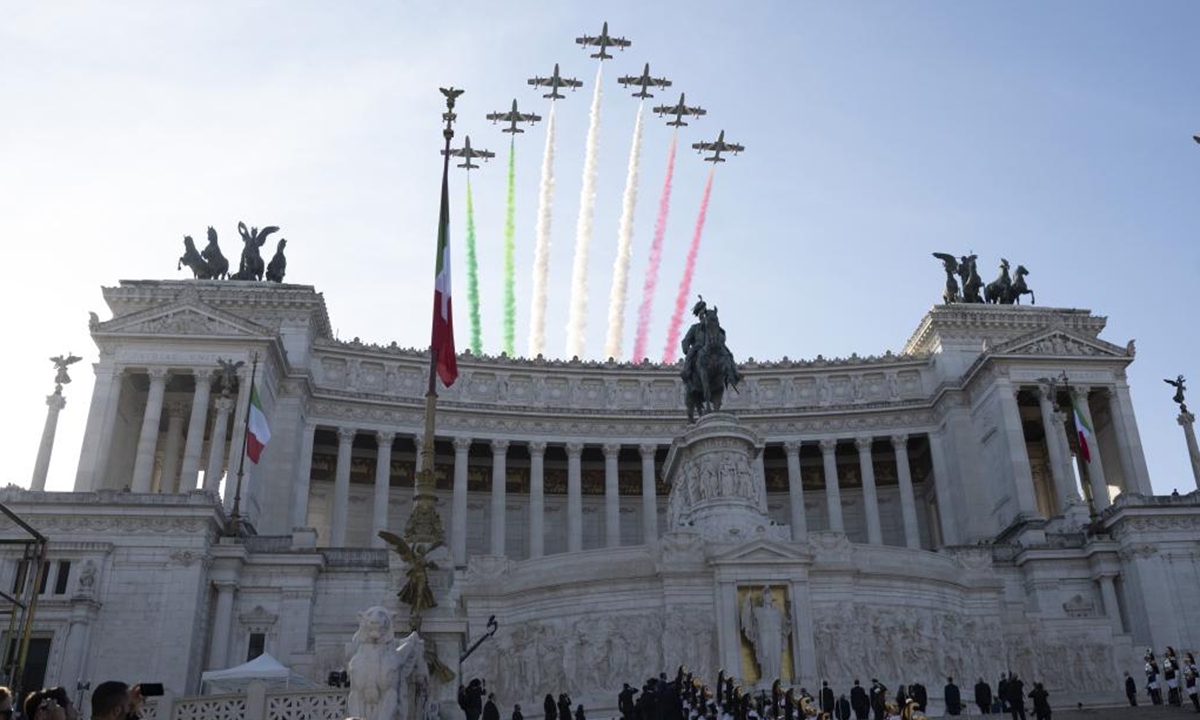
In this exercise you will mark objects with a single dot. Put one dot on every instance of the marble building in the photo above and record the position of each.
(924, 512)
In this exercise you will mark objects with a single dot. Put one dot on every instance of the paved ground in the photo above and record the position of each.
(1142, 712)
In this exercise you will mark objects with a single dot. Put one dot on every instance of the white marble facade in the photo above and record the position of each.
(923, 509)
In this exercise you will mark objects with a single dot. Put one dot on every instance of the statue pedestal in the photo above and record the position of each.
(1187, 421)
(716, 489)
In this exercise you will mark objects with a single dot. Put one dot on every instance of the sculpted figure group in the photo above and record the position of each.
(963, 284)
(211, 264)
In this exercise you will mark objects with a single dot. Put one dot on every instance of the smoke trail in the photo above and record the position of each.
(541, 250)
(620, 282)
(577, 321)
(651, 282)
(510, 297)
(689, 269)
(472, 276)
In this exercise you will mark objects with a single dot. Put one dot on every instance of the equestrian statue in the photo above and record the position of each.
(708, 366)
(211, 264)
(1004, 290)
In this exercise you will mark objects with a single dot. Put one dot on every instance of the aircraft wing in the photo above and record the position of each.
(572, 82)
(501, 116)
(530, 117)
(665, 109)
(704, 146)
(454, 152)
(485, 154)
(734, 147)
(587, 40)
(630, 80)
(538, 81)
(660, 82)
(695, 111)
(619, 42)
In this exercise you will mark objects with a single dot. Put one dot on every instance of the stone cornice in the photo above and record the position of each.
(951, 321)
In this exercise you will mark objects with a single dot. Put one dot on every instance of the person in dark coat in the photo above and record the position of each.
(490, 711)
(625, 702)
(1041, 702)
(517, 714)
(983, 697)
(564, 707)
(470, 699)
(1002, 693)
(859, 702)
(1016, 697)
(917, 692)
(1131, 690)
(842, 711)
(827, 697)
(953, 697)
(550, 708)
(878, 698)
(579, 713)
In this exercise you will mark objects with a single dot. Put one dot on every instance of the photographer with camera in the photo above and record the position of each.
(114, 700)
(50, 704)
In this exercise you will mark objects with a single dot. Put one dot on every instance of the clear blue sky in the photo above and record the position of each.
(1056, 135)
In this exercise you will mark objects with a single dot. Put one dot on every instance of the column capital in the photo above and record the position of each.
(346, 435)
(462, 444)
(204, 374)
(900, 441)
(1107, 391)
(611, 449)
(55, 401)
(499, 447)
(864, 444)
(223, 404)
(792, 447)
(648, 449)
(574, 449)
(225, 585)
(1080, 392)
(385, 438)
(158, 375)
(536, 447)
(828, 445)
(1185, 419)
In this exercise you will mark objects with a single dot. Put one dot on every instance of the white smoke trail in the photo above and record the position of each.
(541, 250)
(620, 282)
(577, 320)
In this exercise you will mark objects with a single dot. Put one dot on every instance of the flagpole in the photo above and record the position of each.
(424, 523)
(235, 516)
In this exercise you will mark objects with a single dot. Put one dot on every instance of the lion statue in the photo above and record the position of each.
(386, 679)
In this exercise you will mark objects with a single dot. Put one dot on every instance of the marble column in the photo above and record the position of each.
(649, 494)
(833, 493)
(1098, 481)
(574, 497)
(418, 458)
(341, 488)
(866, 467)
(1018, 453)
(383, 486)
(108, 431)
(84, 611)
(499, 492)
(143, 466)
(303, 477)
(612, 498)
(941, 484)
(168, 481)
(216, 450)
(760, 477)
(97, 435)
(908, 502)
(1187, 421)
(218, 649)
(189, 473)
(1108, 593)
(55, 402)
(458, 502)
(1131, 438)
(796, 492)
(1064, 489)
(537, 499)
(1129, 479)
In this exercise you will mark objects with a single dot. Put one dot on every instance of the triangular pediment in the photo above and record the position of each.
(763, 551)
(1061, 343)
(188, 317)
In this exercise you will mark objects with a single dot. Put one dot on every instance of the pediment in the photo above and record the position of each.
(1061, 343)
(182, 318)
(763, 551)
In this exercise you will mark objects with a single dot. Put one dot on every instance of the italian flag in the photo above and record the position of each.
(442, 343)
(1085, 432)
(258, 433)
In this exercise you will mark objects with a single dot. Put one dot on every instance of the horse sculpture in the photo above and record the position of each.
(714, 367)
(278, 265)
(218, 266)
(384, 677)
(191, 257)
(971, 282)
(997, 291)
(251, 265)
(1019, 288)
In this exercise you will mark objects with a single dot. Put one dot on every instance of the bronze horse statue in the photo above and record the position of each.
(191, 258)
(714, 371)
(218, 266)
(997, 291)
(1019, 288)
(971, 282)
(278, 265)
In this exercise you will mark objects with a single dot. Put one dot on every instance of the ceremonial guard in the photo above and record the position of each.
(1190, 672)
(859, 702)
(1152, 687)
(1171, 675)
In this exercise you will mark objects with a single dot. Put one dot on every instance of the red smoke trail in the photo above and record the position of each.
(689, 269)
(651, 282)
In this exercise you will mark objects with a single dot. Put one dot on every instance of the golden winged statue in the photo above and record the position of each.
(416, 592)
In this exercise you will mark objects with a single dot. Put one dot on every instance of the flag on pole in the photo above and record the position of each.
(1085, 432)
(442, 344)
(258, 433)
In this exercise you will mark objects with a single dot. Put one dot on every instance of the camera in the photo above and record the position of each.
(150, 689)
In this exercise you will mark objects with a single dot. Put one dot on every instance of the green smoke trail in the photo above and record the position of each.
(473, 276)
(510, 229)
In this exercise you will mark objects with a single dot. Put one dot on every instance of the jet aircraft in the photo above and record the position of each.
(603, 41)
(554, 82)
(645, 82)
(467, 152)
(718, 147)
(513, 117)
(679, 110)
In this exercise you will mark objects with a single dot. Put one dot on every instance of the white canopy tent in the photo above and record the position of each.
(264, 668)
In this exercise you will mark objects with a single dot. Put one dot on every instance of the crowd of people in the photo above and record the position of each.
(1168, 673)
(110, 701)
